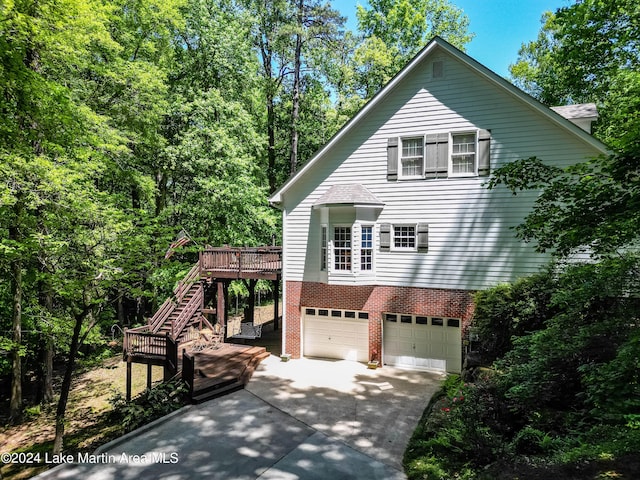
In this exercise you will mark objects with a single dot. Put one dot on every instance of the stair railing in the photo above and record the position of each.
(188, 310)
(163, 313)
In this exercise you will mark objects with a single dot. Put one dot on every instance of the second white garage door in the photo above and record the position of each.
(422, 343)
(336, 334)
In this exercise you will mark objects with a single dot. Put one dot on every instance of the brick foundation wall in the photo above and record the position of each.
(375, 300)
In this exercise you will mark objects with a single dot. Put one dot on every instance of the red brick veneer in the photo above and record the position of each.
(375, 300)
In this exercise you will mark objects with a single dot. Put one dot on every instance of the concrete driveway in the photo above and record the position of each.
(303, 419)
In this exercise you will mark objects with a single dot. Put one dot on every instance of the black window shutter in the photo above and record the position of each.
(392, 158)
(484, 152)
(423, 237)
(437, 165)
(385, 236)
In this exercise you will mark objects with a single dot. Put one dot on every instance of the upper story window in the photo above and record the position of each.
(342, 248)
(366, 248)
(412, 158)
(463, 154)
(439, 155)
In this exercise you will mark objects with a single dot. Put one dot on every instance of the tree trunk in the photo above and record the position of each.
(295, 109)
(271, 149)
(15, 404)
(47, 377)
(66, 384)
(161, 195)
(46, 347)
(271, 118)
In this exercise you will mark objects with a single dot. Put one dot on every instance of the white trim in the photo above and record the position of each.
(474, 173)
(283, 281)
(483, 71)
(420, 176)
(393, 247)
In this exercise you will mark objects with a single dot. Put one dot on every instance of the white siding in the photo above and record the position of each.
(471, 242)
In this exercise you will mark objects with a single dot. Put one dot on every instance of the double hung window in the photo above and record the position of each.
(342, 248)
(463, 154)
(323, 249)
(404, 237)
(412, 157)
(366, 248)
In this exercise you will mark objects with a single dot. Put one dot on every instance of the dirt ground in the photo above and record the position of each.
(86, 412)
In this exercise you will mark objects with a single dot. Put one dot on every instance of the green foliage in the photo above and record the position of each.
(511, 310)
(395, 30)
(580, 50)
(458, 432)
(157, 402)
(589, 206)
(563, 390)
(592, 321)
(613, 388)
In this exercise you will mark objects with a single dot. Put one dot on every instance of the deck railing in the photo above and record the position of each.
(141, 341)
(236, 261)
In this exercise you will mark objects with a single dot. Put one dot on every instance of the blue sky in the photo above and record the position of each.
(501, 26)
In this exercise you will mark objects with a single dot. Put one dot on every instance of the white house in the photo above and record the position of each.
(388, 229)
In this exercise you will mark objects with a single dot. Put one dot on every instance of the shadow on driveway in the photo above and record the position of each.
(304, 419)
(372, 411)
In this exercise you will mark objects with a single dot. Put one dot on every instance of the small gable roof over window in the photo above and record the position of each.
(349, 195)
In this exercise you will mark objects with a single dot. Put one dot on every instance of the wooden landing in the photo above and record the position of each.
(224, 370)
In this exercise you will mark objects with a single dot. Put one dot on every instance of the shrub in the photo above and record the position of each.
(157, 402)
(458, 433)
(509, 310)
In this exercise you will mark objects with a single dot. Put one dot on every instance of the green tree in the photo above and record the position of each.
(395, 30)
(580, 50)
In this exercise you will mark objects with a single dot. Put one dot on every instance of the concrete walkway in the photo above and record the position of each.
(303, 419)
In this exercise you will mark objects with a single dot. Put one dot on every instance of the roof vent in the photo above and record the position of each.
(438, 69)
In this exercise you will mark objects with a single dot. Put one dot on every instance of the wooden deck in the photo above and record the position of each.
(251, 263)
(212, 373)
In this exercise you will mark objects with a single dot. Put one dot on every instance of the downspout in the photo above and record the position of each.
(284, 282)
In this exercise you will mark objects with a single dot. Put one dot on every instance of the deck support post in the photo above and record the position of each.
(149, 374)
(225, 289)
(251, 308)
(221, 312)
(128, 388)
(276, 302)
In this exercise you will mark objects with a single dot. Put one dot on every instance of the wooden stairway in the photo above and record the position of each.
(176, 316)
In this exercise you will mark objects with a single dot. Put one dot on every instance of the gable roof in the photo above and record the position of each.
(438, 43)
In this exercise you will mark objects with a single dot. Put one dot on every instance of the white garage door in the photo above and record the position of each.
(422, 343)
(336, 334)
